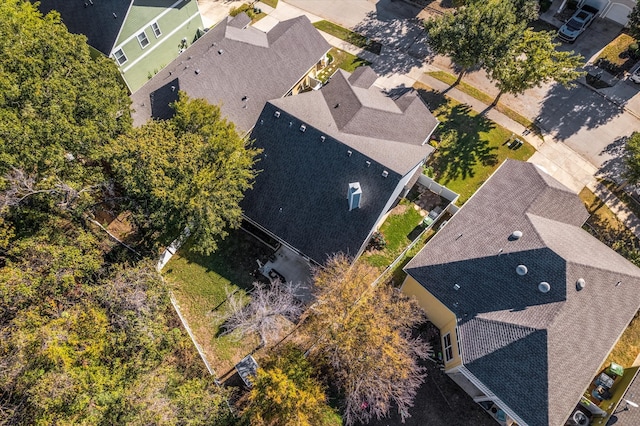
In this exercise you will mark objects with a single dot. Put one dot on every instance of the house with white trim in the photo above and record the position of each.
(528, 304)
(142, 36)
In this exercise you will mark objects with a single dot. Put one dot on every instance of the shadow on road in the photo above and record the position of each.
(396, 26)
(565, 111)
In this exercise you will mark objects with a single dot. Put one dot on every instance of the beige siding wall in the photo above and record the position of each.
(437, 313)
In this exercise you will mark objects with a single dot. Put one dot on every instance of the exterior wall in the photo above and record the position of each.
(437, 313)
(178, 19)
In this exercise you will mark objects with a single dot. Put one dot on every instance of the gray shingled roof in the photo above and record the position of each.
(630, 417)
(95, 20)
(537, 352)
(300, 194)
(239, 69)
(367, 120)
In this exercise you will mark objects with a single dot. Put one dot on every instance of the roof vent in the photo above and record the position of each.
(368, 163)
(456, 286)
(276, 114)
(385, 173)
(303, 128)
(198, 71)
(261, 121)
(322, 138)
(521, 270)
(220, 52)
(349, 153)
(516, 235)
(291, 124)
(580, 284)
(544, 287)
(115, 16)
(354, 195)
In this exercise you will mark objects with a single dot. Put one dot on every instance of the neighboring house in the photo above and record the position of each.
(527, 302)
(142, 36)
(238, 67)
(334, 162)
(615, 10)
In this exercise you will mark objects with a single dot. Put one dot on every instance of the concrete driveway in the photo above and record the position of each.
(600, 33)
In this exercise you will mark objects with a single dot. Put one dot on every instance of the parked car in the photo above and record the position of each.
(635, 76)
(578, 22)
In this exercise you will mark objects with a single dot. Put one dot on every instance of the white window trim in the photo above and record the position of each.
(145, 37)
(154, 29)
(123, 55)
(155, 19)
(445, 347)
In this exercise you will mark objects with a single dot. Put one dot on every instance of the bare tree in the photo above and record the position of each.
(21, 186)
(363, 335)
(265, 311)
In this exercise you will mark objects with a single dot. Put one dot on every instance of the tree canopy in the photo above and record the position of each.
(286, 393)
(532, 60)
(475, 34)
(189, 171)
(350, 315)
(634, 22)
(58, 105)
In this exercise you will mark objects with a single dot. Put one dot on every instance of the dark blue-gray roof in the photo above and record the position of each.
(239, 68)
(536, 351)
(95, 20)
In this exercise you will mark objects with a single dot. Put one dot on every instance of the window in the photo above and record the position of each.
(447, 348)
(458, 342)
(156, 29)
(120, 57)
(143, 40)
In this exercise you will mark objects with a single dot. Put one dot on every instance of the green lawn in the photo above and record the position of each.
(272, 3)
(614, 51)
(399, 230)
(199, 283)
(349, 36)
(340, 59)
(478, 151)
(483, 97)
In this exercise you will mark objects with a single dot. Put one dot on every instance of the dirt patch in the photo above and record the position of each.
(399, 209)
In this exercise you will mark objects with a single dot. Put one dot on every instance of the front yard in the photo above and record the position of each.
(200, 285)
(480, 147)
(340, 59)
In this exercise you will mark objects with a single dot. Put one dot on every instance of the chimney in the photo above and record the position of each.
(354, 195)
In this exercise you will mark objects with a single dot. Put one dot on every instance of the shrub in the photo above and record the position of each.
(378, 242)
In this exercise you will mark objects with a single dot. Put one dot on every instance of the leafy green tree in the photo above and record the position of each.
(58, 105)
(634, 22)
(475, 34)
(285, 393)
(531, 61)
(350, 315)
(190, 171)
(632, 159)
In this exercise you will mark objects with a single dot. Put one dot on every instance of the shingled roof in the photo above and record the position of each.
(237, 67)
(300, 194)
(535, 351)
(95, 20)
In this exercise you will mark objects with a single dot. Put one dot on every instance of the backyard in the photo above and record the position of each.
(464, 163)
(200, 285)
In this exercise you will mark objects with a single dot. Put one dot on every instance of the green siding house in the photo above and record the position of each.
(142, 36)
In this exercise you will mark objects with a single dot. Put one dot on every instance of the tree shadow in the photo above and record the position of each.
(401, 34)
(613, 168)
(458, 158)
(433, 98)
(565, 111)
